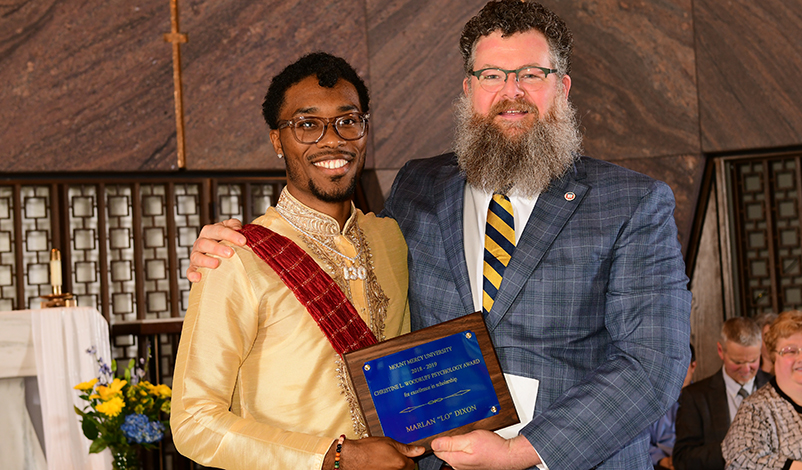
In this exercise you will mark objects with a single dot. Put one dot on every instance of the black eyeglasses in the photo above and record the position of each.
(530, 78)
(310, 129)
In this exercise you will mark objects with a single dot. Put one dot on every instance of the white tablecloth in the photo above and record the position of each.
(19, 446)
(51, 344)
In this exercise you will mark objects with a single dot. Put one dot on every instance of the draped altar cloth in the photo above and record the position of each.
(51, 344)
(19, 446)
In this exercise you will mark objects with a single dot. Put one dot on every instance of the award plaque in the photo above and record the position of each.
(438, 381)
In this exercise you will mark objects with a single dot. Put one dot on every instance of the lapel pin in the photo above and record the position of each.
(569, 196)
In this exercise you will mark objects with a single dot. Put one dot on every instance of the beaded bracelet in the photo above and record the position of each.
(338, 451)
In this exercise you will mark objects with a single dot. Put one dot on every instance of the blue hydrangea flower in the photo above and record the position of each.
(139, 429)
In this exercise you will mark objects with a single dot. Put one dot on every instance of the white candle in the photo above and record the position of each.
(55, 268)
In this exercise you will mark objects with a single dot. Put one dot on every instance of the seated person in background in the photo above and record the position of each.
(707, 407)
(767, 431)
(662, 432)
(764, 322)
(259, 382)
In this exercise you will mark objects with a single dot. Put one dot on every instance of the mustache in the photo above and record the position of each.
(518, 104)
(334, 152)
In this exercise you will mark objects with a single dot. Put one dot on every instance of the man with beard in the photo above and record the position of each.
(259, 378)
(584, 295)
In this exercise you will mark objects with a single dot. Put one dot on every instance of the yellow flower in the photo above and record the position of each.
(118, 384)
(164, 391)
(161, 390)
(112, 407)
(104, 393)
(107, 392)
(86, 386)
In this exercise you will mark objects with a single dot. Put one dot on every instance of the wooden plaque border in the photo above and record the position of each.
(355, 360)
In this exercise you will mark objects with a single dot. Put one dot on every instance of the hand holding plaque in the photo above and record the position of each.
(442, 380)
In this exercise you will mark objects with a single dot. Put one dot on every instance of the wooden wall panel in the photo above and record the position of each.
(235, 47)
(749, 57)
(707, 309)
(85, 86)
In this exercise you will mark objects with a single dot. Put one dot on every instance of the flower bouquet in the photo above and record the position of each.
(123, 414)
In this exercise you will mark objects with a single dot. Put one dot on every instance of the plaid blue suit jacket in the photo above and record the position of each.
(593, 304)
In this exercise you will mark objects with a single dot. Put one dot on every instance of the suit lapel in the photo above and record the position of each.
(552, 211)
(450, 207)
(719, 407)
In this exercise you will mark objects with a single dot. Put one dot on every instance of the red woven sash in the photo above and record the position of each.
(316, 290)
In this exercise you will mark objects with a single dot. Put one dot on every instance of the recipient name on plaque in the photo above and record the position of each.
(441, 380)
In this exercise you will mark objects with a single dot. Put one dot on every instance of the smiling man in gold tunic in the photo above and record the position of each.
(259, 381)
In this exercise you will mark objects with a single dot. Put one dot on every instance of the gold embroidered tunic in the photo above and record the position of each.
(256, 383)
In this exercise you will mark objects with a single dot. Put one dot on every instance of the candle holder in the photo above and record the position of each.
(59, 300)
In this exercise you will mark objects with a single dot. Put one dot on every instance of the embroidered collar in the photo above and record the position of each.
(308, 219)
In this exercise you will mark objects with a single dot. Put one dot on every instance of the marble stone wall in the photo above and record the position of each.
(659, 85)
(749, 57)
(85, 86)
(235, 47)
(88, 86)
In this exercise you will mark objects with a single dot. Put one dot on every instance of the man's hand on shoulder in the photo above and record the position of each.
(485, 450)
(374, 453)
(208, 243)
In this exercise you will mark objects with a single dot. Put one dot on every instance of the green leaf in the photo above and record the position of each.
(78, 411)
(114, 365)
(97, 446)
(90, 428)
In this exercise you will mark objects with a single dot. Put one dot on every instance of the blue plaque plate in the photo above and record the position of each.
(431, 388)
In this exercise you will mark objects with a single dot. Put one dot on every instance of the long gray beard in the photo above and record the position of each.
(526, 162)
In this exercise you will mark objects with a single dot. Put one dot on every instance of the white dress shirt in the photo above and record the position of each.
(733, 399)
(474, 221)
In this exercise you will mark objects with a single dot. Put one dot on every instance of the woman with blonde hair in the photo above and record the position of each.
(767, 430)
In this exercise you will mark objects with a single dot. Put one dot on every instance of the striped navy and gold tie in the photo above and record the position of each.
(499, 245)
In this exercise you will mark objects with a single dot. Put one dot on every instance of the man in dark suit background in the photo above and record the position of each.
(592, 308)
(706, 408)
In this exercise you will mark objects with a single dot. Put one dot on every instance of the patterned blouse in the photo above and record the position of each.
(766, 432)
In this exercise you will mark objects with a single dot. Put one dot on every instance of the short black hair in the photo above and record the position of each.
(518, 16)
(327, 68)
